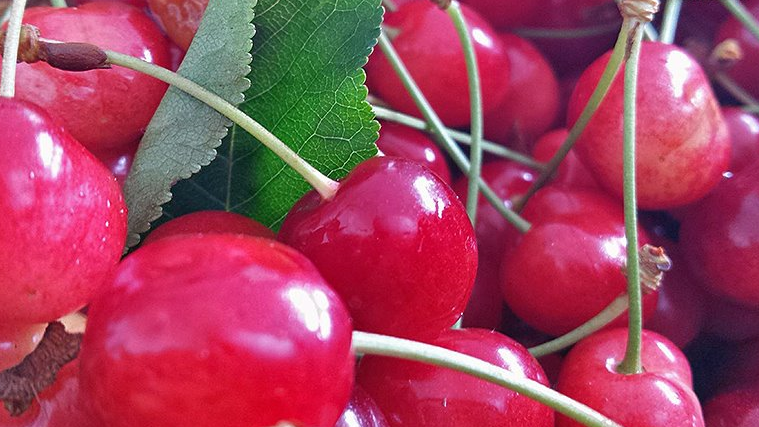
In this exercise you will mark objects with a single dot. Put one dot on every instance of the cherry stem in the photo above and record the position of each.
(596, 323)
(475, 102)
(462, 137)
(670, 17)
(441, 136)
(564, 33)
(381, 345)
(325, 186)
(598, 95)
(58, 3)
(743, 15)
(10, 53)
(735, 90)
(631, 364)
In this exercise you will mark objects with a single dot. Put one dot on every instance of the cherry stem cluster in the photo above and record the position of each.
(670, 17)
(475, 101)
(380, 345)
(440, 134)
(10, 52)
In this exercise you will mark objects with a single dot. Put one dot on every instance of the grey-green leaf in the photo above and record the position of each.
(184, 133)
(307, 88)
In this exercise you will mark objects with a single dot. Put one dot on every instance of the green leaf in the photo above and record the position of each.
(184, 133)
(307, 88)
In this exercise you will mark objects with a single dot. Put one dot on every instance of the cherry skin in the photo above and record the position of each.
(683, 145)
(744, 134)
(532, 82)
(737, 408)
(362, 411)
(64, 218)
(402, 141)
(505, 14)
(180, 18)
(428, 45)
(105, 110)
(135, 3)
(421, 395)
(571, 173)
(202, 222)
(245, 325)
(743, 71)
(396, 244)
(16, 341)
(658, 397)
(720, 240)
(730, 321)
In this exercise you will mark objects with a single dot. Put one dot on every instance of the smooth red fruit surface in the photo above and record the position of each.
(744, 70)
(658, 397)
(16, 341)
(744, 134)
(135, 3)
(64, 218)
(532, 83)
(738, 367)
(730, 321)
(570, 265)
(180, 18)
(402, 141)
(571, 173)
(428, 45)
(505, 14)
(119, 163)
(737, 408)
(508, 179)
(420, 395)
(683, 145)
(105, 110)
(396, 244)
(362, 411)
(203, 222)
(720, 239)
(217, 330)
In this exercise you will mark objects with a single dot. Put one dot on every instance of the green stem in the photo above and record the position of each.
(438, 131)
(380, 345)
(743, 15)
(596, 323)
(649, 32)
(735, 90)
(475, 102)
(58, 3)
(10, 53)
(462, 137)
(321, 183)
(564, 33)
(632, 363)
(598, 95)
(669, 21)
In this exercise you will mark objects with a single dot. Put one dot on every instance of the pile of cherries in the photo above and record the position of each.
(215, 320)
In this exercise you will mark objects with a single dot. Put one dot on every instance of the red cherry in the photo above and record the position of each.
(216, 330)
(16, 341)
(569, 266)
(135, 3)
(361, 411)
(203, 222)
(119, 163)
(402, 141)
(738, 367)
(658, 397)
(505, 14)
(396, 244)
(682, 141)
(431, 50)
(64, 218)
(180, 18)
(737, 408)
(420, 395)
(730, 321)
(105, 110)
(532, 82)
(743, 71)
(720, 240)
(572, 173)
(744, 134)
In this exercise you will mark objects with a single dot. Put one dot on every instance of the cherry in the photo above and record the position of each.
(738, 367)
(16, 341)
(64, 218)
(416, 394)
(730, 321)
(744, 134)
(217, 329)
(402, 141)
(683, 145)
(135, 3)
(737, 408)
(505, 14)
(202, 222)
(361, 411)
(428, 44)
(743, 71)
(720, 240)
(571, 173)
(532, 82)
(105, 110)
(660, 396)
(180, 18)
(569, 266)
(119, 163)
(396, 244)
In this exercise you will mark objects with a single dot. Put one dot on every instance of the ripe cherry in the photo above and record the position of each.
(421, 395)
(571, 173)
(221, 329)
(683, 145)
(362, 411)
(744, 135)
(16, 341)
(505, 14)
(180, 18)
(105, 110)
(428, 44)
(402, 141)
(202, 222)
(736, 408)
(396, 244)
(64, 218)
(743, 71)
